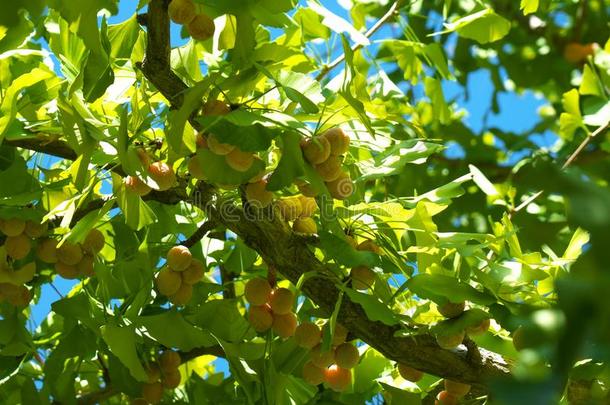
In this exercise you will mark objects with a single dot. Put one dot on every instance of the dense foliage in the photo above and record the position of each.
(272, 202)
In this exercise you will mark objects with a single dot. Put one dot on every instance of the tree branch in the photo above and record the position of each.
(199, 233)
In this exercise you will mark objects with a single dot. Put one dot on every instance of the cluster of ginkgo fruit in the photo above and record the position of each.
(270, 308)
(298, 210)
(72, 260)
(177, 277)
(452, 393)
(198, 25)
(162, 375)
(160, 172)
(363, 277)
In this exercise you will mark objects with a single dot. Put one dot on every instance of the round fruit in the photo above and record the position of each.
(260, 317)
(36, 230)
(363, 277)
(257, 194)
(21, 297)
(169, 361)
(575, 52)
(340, 334)
(69, 272)
(456, 388)
(519, 339)
(201, 141)
(69, 253)
(181, 11)
(338, 140)
(346, 355)
(257, 291)
(152, 393)
(18, 246)
(446, 398)
(290, 208)
(479, 329)
(409, 373)
(240, 160)
(337, 378)
(369, 246)
(218, 147)
(24, 274)
(450, 342)
(305, 225)
(94, 242)
(352, 241)
(281, 301)
(163, 175)
(46, 251)
(309, 205)
(179, 258)
(12, 227)
(183, 295)
(153, 372)
(316, 150)
(194, 273)
(308, 190)
(201, 27)
(86, 266)
(312, 374)
(330, 169)
(321, 358)
(452, 309)
(341, 188)
(171, 379)
(194, 168)
(134, 185)
(215, 107)
(284, 325)
(168, 281)
(308, 335)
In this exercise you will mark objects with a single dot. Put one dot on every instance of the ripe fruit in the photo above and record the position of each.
(337, 378)
(363, 277)
(316, 150)
(519, 340)
(346, 355)
(257, 194)
(46, 251)
(308, 335)
(25, 274)
(449, 342)
(284, 325)
(169, 361)
(452, 309)
(12, 227)
(171, 379)
(341, 188)
(330, 169)
(260, 317)
(321, 358)
(94, 242)
(281, 301)
(163, 175)
(69, 253)
(168, 281)
(409, 373)
(312, 374)
(215, 107)
(20, 297)
(575, 52)
(194, 168)
(183, 295)
(305, 225)
(18, 246)
(257, 291)
(36, 230)
(340, 334)
(456, 388)
(369, 246)
(181, 11)
(308, 205)
(218, 147)
(194, 273)
(201, 27)
(240, 160)
(338, 140)
(290, 208)
(135, 185)
(67, 271)
(201, 141)
(179, 258)
(446, 398)
(479, 329)
(153, 372)
(86, 266)
(152, 393)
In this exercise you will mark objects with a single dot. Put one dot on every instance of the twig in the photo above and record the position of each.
(199, 233)
(389, 14)
(226, 278)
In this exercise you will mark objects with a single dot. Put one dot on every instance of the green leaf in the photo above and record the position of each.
(442, 289)
(453, 326)
(529, 6)
(178, 118)
(337, 24)
(19, 187)
(216, 169)
(484, 184)
(122, 342)
(435, 92)
(182, 334)
(291, 163)
(374, 308)
(222, 319)
(483, 26)
(123, 37)
(343, 253)
(136, 212)
(590, 84)
(311, 24)
(579, 239)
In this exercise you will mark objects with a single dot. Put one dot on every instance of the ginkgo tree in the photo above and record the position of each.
(274, 184)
